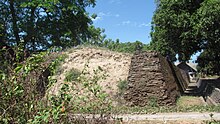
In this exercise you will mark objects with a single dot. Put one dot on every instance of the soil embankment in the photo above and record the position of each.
(113, 64)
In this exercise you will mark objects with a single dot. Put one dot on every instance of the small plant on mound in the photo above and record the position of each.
(72, 75)
(153, 102)
(122, 86)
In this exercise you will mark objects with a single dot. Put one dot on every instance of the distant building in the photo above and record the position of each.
(189, 68)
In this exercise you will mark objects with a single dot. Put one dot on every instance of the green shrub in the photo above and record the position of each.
(153, 102)
(72, 75)
(19, 86)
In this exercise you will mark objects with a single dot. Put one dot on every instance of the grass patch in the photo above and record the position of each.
(122, 86)
(186, 101)
(72, 75)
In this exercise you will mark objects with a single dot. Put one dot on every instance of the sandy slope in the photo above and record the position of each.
(115, 66)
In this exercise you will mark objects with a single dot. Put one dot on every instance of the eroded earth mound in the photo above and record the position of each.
(114, 65)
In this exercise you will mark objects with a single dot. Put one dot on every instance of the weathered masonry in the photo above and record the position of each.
(152, 78)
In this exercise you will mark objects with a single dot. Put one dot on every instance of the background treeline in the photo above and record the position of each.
(126, 47)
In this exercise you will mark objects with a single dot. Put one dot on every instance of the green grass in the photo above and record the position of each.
(184, 101)
(184, 104)
(122, 86)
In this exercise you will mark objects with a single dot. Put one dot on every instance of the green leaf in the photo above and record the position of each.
(46, 116)
(2, 76)
(18, 68)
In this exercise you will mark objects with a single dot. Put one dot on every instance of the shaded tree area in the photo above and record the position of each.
(186, 27)
(208, 63)
(172, 28)
(32, 26)
(41, 24)
(209, 30)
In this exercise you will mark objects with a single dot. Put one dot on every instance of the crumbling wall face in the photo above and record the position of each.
(150, 80)
(171, 79)
(215, 95)
(211, 90)
(183, 78)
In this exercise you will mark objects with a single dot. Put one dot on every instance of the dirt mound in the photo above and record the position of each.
(115, 66)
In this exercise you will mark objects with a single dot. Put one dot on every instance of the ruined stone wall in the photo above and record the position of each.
(151, 79)
(211, 90)
(182, 78)
(215, 95)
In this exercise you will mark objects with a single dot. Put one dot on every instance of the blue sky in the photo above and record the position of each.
(127, 20)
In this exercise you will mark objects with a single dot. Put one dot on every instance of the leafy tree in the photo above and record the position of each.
(208, 63)
(42, 24)
(1, 34)
(185, 27)
(96, 36)
(209, 30)
(172, 30)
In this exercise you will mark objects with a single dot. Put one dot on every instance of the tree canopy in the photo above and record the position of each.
(41, 24)
(186, 27)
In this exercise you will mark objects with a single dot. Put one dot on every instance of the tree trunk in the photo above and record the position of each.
(14, 21)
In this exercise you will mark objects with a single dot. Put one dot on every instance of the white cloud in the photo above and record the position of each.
(126, 22)
(134, 24)
(144, 25)
(117, 15)
(115, 1)
(102, 15)
(108, 14)
(97, 19)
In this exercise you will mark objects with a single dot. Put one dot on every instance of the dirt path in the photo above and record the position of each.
(162, 118)
(170, 116)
